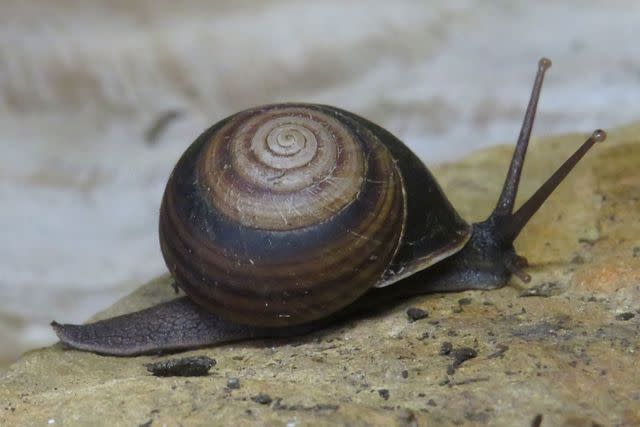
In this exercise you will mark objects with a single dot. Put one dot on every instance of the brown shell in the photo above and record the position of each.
(286, 213)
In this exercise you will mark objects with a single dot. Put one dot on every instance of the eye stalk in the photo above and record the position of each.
(510, 188)
(506, 224)
(516, 221)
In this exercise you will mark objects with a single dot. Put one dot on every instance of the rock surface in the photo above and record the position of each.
(567, 351)
(98, 99)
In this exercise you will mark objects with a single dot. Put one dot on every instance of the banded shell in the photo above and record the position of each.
(283, 214)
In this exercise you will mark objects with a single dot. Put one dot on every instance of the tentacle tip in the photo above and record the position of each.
(58, 328)
(544, 63)
(599, 135)
(515, 266)
(526, 278)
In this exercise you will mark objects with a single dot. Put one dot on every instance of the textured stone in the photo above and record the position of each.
(568, 351)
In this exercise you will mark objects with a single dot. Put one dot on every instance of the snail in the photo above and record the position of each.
(283, 218)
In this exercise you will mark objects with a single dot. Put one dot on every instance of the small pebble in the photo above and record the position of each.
(262, 398)
(384, 393)
(444, 382)
(625, 316)
(233, 383)
(446, 348)
(459, 355)
(463, 354)
(196, 366)
(537, 421)
(414, 314)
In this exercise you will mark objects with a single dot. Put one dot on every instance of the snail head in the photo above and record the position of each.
(502, 227)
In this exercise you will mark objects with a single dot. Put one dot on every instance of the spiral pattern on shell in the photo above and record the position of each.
(282, 169)
(282, 214)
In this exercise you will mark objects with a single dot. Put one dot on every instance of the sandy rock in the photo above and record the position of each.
(568, 353)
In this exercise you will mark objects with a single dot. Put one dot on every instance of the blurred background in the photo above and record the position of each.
(99, 98)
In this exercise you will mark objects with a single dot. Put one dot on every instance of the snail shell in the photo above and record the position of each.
(283, 214)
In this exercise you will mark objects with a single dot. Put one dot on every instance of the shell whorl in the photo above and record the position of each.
(282, 214)
(280, 169)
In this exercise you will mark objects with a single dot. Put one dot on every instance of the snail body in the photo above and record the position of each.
(282, 218)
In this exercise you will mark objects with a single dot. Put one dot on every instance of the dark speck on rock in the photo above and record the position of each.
(625, 316)
(384, 393)
(463, 354)
(405, 374)
(444, 382)
(196, 366)
(233, 383)
(464, 301)
(414, 314)
(537, 421)
(636, 251)
(262, 398)
(446, 348)
(460, 355)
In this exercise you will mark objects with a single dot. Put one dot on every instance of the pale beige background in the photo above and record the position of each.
(81, 82)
